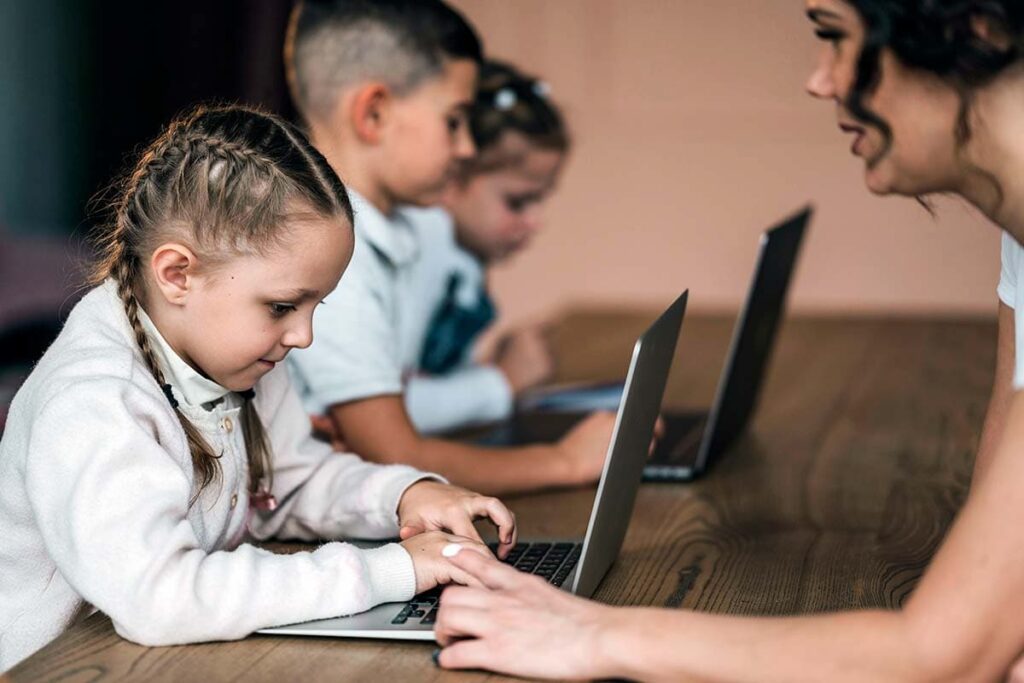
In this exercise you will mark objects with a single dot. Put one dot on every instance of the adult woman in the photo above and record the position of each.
(933, 91)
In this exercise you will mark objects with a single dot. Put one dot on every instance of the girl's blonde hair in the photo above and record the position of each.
(223, 180)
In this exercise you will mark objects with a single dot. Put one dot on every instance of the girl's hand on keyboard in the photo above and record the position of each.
(516, 623)
(431, 505)
(432, 567)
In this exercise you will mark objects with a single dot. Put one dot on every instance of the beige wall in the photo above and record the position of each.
(693, 133)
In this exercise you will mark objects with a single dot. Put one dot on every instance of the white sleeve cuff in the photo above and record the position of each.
(390, 573)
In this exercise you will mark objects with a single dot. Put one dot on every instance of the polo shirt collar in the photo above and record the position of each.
(393, 237)
(188, 385)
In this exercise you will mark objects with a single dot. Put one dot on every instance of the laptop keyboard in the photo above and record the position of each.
(553, 562)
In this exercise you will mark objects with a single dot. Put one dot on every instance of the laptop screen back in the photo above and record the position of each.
(754, 336)
(627, 452)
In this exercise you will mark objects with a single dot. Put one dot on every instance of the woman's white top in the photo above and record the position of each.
(1011, 291)
(95, 483)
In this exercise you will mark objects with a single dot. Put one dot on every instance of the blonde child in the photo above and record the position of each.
(384, 87)
(496, 201)
(160, 428)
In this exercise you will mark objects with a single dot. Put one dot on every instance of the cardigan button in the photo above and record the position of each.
(234, 500)
(227, 424)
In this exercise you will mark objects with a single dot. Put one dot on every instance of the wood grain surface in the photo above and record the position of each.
(858, 458)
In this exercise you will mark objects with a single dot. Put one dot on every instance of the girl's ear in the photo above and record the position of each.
(371, 107)
(173, 268)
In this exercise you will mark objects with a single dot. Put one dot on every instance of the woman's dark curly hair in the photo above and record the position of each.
(941, 37)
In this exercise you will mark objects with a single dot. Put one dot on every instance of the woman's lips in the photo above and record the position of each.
(859, 136)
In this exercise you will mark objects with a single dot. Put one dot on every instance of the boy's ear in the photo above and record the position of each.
(174, 269)
(371, 105)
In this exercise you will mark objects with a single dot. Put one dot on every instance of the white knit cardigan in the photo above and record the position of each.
(95, 483)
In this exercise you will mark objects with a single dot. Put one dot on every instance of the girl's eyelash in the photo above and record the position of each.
(278, 310)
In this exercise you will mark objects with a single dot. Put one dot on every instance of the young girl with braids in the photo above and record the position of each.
(496, 203)
(161, 428)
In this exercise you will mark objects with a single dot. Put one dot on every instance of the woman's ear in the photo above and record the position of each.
(991, 32)
(173, 268)
(370, 111)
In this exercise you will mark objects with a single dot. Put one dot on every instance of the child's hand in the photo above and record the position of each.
(430, 505)
(433, 567)
(525, 359)
(327, 430)
(585, 447)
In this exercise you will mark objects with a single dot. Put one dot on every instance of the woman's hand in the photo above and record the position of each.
(431, 505)
(432, 566)
(515, 623)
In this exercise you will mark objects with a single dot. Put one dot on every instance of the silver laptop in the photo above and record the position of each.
(570, 565)
(692, 441)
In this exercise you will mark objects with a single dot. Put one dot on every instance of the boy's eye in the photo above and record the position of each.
(279, 310)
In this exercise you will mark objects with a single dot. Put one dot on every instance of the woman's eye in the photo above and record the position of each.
(280, 310)
(830, 35)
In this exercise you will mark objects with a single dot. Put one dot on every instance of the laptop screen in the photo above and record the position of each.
(754, 336)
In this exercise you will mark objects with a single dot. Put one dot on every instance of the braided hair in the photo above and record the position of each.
(225, 180)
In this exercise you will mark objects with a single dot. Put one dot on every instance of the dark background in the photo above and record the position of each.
(86, 83)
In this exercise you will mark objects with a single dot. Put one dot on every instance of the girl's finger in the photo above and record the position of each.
(463, 527)
(500, 515)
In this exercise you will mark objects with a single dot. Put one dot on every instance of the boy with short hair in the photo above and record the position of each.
(384, 86)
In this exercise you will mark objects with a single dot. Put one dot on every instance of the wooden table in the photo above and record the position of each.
(858, 458)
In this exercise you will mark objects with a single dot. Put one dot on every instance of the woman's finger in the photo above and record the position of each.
(487, 570)
(461, 622)
(476, 597)
(473, 653)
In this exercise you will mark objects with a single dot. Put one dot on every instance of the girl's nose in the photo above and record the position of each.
(300, 336)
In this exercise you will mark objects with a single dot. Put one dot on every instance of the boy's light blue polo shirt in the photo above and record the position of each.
(368, 334)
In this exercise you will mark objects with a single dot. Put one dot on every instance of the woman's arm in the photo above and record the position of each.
(1002, 391)
(964, 622)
